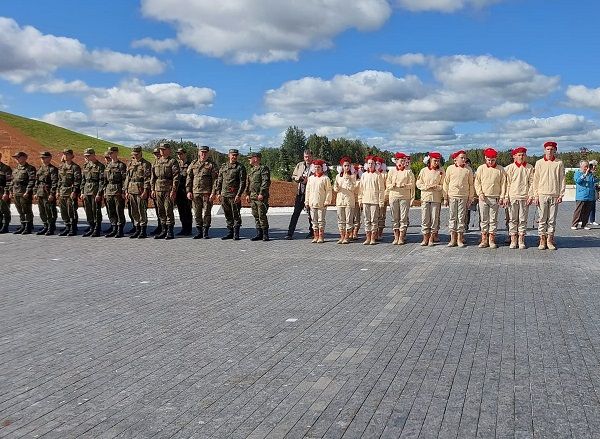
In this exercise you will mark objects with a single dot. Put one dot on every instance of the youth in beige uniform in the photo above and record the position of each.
(371, 198)
(431, 184)
(357, 212)
(345, 186)
(317, 198)
(548, 189)
(519, 195)
(458, 192)
(490, 186)
(400, 187)
(381, 169)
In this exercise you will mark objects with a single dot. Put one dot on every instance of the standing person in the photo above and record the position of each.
(357, 211)
(45, 193)
(201, 177)
(115, 174)
(592, 219)
(519, 196)
(400, 185)
(381, 169)
(345, 186)
(23, 182)
(490, 187)
(318, 197)
(158, 229)
(585, 195)
(229, 188)
(164, 183)
(300, 176)
(257, 194)
(371, 198)
(5, 183)
(92, 184)
(549, 189)
(137, 191)
(431, 184)
(69, 186)
(459, 192)
(184, 206)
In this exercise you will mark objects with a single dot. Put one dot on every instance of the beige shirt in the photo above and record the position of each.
(318, 192)
(458, 182)
(346, 187)
(519, 182)
(371, 190)
(490, 181)
(400, 184)
(549, 178)
(431, 184)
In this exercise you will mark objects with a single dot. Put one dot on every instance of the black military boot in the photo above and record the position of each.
(169, 234)
(229, 234)
(205, 232)
(143, 234)
(113, 231)
(199, 234)
(73, 231)
(89, 230)
(65, 231)
(97, 231)
(259, 235)
(157, 230)
(28, 228)
(162, 234)
(20, 229)
(266, 235)
(236, 233)
(43, 231)
(51, 228)
(120, 233)
(5, 223)
(136, 233)
(133, 230)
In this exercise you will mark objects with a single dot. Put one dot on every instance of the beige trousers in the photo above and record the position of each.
(430, 217)
(547, 211)
(456, 215)
(400, 209)
(488, 215)
(518, 212)
(345, 217)
(371, 212)
(318, 217)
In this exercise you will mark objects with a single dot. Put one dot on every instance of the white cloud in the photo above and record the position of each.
(168, 44)
(57, 86)
(27, 53)
(506, 109)
(406, 60)
(68, 119)
(562, 126)
(581, 96)
(243, 31)
(443, 5)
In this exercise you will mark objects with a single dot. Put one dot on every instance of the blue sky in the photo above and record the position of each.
(408, 75)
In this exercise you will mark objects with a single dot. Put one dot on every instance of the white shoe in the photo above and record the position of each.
(587, 228)
(595, 224)
(573, 228)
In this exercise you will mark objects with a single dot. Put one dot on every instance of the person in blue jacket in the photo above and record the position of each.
(585, 194)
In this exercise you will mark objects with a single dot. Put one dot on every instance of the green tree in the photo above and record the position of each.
(294, 143)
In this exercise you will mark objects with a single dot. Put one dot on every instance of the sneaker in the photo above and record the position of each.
(587, 228)
(595, 224)
(573, 228)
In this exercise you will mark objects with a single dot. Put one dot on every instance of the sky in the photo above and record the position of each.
(405, 75)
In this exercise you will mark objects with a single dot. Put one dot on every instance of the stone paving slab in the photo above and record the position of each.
(107, 338)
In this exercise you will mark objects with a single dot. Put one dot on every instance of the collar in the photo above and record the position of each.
(491, 166)
(459, 166)
(400, 168)
(547, 159)
(319, 174)
(432, 168)
(370, 172)
(518, 165)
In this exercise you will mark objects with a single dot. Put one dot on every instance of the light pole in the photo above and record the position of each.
(103, 125)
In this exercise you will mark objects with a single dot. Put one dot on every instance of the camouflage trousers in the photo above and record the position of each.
(48, 213)
(164, 205)
(138, 208)
(202, 209)
(231, 209)
(115, 208)
(93, 210)
(68, 210)
(259, 212)
(23, 206)
(4, 208)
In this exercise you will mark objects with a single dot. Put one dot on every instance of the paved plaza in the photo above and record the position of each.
(104, 338)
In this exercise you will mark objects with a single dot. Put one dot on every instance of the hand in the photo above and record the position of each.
(26, 195)
(237, 199)
(482, 198)
(51, 198)
(469, 203)
(559, 200)
(446, 203)
(98, 199)
(35, 197)
(260, 198)
(173, 195)
(5, 198)
(325, 204)
(153, 194)
(144, 195)
(536, 201)
(247, 198)
(126, 195)
(217, 198)
(81, 197)
(190, 196)
(74, 196)
(529, 201)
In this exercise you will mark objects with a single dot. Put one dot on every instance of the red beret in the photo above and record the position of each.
(435, 155)
(318, 162)
(345, 159)
(369, 157)
(379, 159)
(552, 144)
(456, 154)
(400, 155)
(490, 153)
(519, 150)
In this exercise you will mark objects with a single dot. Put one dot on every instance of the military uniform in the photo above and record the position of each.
(184, 206)
(46, 187)
(200, 181)
(431, 182)
(231, 183)
(371, 197)
(23, 183)
(69, 185)
(115, 174)
(92, 184)
(459, 190)
(346, 188)
(137, 186)
(400, 187)
(165, 179)
(158, 229)
(259, 180)
(519, 194)
(5, 183)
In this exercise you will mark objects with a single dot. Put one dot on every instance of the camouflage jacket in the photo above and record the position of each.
(201, 177)
(139, 174)
(183, 170)
(259, 180)
(69, 179)
(231, 181)
(165, 175)
(23, 179)
(5, 178)
(47, 180)
(115, 174)
(92, 178)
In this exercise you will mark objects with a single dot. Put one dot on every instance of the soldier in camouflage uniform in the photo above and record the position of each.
(115, 174)
(184, 206)
(69, 184)
(5, 182)
(23, 182)
(164, 183)
(137, 191)
(45, 193)
(92, 182)
(257, 194)
(158, 228)
(229, 188)
(201, 177)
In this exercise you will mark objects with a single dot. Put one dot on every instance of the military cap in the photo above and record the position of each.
(457, 153)
(234, 151)
(113, 149)
(256, 154)
(20, 154)
(204, 148)
(435, 155)
(490, 153)
(45, 154)
(180, 151)
(67, 151)
(164, 145)
(550, 144)
(519, 149)
(107, 154)
(89, 151)
(136, 149)
(156, 150)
